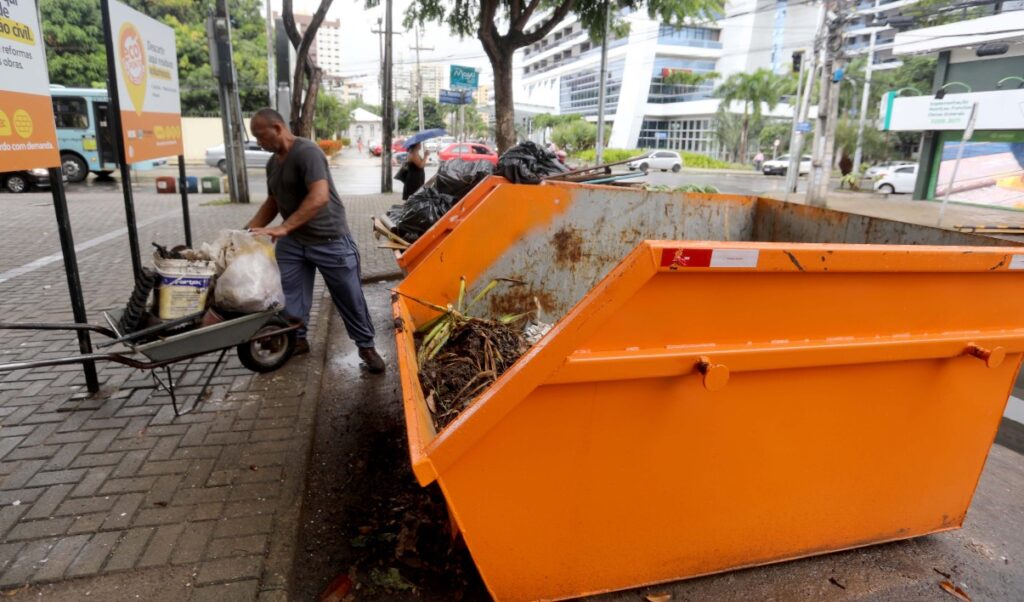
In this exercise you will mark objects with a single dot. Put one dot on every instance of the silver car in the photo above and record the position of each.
(255, 157)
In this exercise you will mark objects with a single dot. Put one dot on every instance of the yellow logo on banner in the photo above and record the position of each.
(133, 64)
(5, 124)
(23, 123)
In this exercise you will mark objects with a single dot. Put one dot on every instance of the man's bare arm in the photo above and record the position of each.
(316, 199)
(265, 215)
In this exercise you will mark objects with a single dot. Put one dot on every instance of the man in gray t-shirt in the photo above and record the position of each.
(314, 234)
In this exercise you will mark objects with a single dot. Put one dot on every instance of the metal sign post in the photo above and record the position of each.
(185, 217)
(28, 137)
(115, 120)
(968, 133)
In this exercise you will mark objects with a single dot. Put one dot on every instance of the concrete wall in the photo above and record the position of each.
(200, 133)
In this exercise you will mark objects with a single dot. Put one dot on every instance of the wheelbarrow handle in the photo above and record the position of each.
(60, 361)
(57, 326)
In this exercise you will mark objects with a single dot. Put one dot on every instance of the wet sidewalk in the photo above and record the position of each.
(116, 497)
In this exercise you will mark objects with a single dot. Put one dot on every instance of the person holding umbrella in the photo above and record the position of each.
(415, 164)
(415, 170)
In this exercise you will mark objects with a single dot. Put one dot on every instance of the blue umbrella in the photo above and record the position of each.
(424, 135)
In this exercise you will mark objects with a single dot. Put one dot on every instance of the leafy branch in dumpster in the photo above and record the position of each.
(460, 355)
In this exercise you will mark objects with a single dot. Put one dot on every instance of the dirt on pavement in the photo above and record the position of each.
(367, 526)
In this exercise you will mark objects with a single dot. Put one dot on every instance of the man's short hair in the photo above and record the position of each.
(270, 116)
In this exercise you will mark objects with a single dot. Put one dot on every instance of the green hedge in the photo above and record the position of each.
(698, 161)
(694, 160)
(611, 155)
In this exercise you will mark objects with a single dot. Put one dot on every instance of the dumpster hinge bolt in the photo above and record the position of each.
(992, 357)
(716, 376)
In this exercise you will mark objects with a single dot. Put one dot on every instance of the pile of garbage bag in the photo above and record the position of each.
(528, 163)
(414, 217)
(458, 177)
(453, 181)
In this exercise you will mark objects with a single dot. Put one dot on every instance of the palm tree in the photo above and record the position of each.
(755, 90)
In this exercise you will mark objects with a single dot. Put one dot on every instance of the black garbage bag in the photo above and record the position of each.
(527, 163)
(457, 177)
(420, 212)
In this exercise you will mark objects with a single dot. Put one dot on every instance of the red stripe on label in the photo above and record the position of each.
(685, 258)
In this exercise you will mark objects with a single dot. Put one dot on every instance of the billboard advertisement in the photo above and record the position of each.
(146, 61)
(991, 172)
(28, 136)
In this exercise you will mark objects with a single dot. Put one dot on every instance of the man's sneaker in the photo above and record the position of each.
(374, 363)
(301, 347)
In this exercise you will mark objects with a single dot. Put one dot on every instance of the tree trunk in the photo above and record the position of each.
(504, 103)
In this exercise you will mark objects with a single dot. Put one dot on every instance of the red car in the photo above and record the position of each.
(468, 152)
(376, 149)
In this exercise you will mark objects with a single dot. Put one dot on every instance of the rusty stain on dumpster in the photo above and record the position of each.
(568, 245)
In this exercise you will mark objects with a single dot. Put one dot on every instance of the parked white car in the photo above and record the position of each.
(877, 170)
(663, 160)
(897, 180)
(781, 165)
(255, 157)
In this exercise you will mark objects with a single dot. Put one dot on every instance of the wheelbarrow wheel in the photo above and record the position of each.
(268, 354)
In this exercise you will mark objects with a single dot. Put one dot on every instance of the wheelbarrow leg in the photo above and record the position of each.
(168, 386)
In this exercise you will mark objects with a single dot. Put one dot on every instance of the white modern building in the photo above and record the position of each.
(561, 72)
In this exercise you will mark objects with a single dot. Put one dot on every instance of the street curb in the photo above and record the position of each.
(280, 564)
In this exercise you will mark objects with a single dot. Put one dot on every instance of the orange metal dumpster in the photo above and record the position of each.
(721, 389)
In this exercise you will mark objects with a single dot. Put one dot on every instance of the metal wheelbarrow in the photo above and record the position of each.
(264, 342)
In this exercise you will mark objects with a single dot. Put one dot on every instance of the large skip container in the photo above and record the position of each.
(805, 382)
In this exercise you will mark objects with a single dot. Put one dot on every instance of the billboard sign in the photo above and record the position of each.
(996, 110)
(28, 136)
(464, 77)
(146, 60)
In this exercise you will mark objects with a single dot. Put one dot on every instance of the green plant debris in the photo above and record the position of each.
(391, 579)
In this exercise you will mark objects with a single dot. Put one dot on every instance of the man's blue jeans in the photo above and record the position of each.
(338, 262)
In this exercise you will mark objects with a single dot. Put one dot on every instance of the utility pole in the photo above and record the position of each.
(380, 40)
(419, 77)
(858, 154)
(223, 66)
(386, 105)
(599, 154)
(796, 141)
(271, 61)
(828, 107)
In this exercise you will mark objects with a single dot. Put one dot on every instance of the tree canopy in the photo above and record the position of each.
(762, 88)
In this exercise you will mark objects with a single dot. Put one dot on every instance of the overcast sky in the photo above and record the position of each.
(356, 26)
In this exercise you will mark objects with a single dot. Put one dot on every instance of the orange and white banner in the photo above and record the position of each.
(147, 83)
(28, 136)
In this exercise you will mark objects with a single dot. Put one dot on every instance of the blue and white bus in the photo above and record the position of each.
(85, 133)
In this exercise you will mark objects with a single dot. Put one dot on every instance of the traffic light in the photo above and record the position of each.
(798, 59)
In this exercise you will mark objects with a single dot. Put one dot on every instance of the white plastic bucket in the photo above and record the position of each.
(183, 286)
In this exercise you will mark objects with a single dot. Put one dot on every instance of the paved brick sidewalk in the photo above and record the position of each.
(118, 497)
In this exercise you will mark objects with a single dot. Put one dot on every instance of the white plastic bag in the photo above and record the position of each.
(250, 281)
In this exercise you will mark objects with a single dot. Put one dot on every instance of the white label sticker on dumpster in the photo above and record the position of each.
(1017, 262)
(734, 258)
